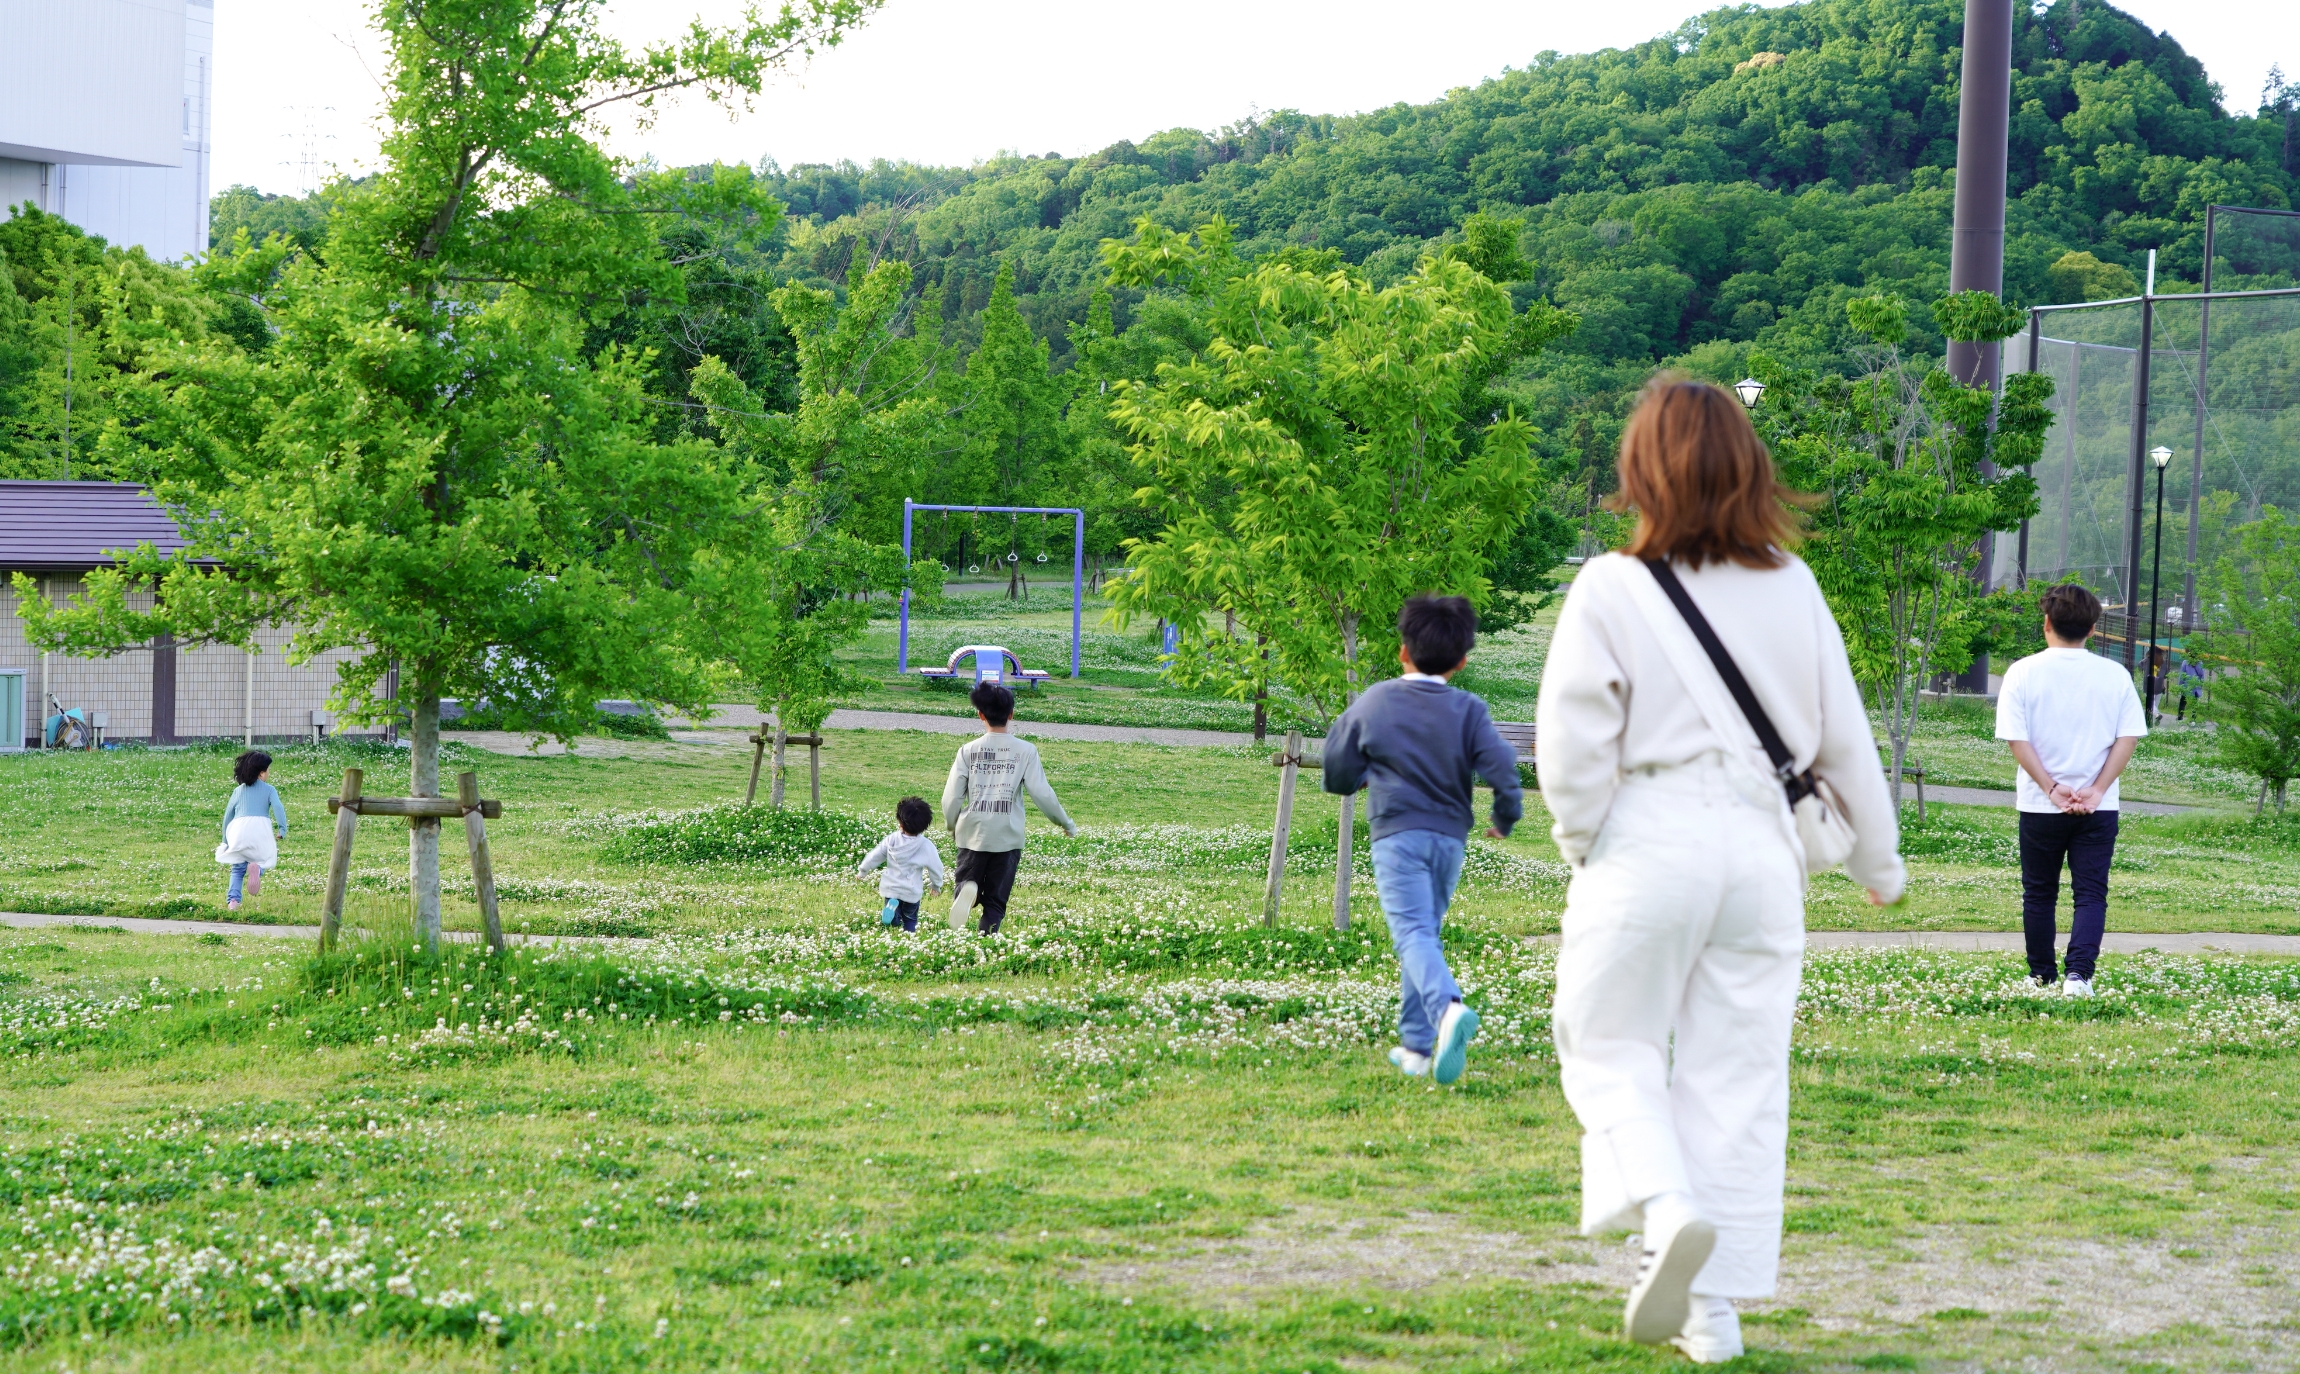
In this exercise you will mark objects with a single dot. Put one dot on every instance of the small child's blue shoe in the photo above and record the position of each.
(1455, 1030)
(888, 913)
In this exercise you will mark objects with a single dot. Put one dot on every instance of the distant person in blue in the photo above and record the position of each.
(254, 823)
(1418, 743)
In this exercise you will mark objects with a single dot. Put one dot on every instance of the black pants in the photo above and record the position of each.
(992, 873)
(2086, 844)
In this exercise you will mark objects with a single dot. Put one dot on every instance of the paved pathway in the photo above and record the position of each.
(732, 722)
(139, 925)
(1971, 941)
(730, 719)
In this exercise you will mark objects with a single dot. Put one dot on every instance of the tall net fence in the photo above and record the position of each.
(2222, 378)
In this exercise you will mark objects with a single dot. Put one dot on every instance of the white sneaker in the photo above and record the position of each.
(1658, 1300)
(2076, 987)
(962, 907)
(1410, 1064)
(1712, 1333)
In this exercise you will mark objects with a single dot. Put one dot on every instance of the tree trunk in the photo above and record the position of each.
(1262, 692)
(2260, 806)
(423, 831)
(775, 793)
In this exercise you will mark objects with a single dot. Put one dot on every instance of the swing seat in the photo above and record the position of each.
(991, 663)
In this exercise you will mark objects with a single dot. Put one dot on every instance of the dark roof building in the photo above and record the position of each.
(74, 526)
(56, 533)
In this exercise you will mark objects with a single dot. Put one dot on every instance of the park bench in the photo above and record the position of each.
(992, 663)
(1519, 733)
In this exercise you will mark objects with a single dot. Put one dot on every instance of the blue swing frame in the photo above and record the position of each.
(1077, 568)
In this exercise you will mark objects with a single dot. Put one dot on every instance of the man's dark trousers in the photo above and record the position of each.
(2086, 844)
(992, 873)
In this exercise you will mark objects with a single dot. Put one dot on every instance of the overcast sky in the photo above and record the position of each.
(953, 81)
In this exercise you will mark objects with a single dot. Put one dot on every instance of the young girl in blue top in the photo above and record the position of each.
(254, 821)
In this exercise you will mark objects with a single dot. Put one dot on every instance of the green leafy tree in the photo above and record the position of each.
(2254, 639)
(1319, 460)
(424, 466)
(1900, 460)
(790, 590)
(80, 323)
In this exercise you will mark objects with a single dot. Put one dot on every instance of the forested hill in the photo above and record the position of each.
(1722, 182)
(1724, 186)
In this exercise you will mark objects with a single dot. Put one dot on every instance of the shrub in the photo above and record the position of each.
(806, 840)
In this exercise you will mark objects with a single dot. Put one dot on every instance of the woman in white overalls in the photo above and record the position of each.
(1684, 927)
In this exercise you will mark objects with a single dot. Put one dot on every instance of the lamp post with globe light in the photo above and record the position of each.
(2150, 668)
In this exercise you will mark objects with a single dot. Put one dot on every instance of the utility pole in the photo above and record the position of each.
(1977, 236)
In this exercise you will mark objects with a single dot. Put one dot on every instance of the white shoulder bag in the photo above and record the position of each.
(1814, 806)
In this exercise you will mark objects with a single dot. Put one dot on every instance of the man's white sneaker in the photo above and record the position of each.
(1410, 1064)
(962, 906)
(1658, 1300)
(1712, 1333)
(2076, 987)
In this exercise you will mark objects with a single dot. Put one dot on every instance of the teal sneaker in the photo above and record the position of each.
(886, 914)
(1455, 1030)
(1408, 1063)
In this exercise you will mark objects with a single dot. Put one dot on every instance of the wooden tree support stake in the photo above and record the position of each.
(815, 744)
(1342, 862)
(482, 865)
(346, 808)
(1289, 764)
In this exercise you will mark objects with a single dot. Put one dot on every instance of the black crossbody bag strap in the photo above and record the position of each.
(1784, 763)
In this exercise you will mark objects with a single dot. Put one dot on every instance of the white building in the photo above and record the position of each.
(104, 117)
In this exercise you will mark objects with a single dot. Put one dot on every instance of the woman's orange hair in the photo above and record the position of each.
(1701, 481)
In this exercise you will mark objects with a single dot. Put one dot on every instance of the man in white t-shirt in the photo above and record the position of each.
(2073, 720)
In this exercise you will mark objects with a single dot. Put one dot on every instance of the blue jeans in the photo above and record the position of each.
(1415, 872)
(239, 876)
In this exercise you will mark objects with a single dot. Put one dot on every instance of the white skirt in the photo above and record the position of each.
(248, 840)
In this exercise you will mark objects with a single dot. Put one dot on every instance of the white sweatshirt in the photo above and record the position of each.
(908, 859)
(982, 800)
(1611, 702)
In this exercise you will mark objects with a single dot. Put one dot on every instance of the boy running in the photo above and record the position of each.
(982, 804)
(1419, 741)
(913, 865)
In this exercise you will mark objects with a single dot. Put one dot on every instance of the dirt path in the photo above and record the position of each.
(2238, 1282)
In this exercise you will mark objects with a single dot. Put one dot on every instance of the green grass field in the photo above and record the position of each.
(1136, 1131)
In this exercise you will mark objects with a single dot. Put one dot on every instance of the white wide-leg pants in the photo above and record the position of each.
(1684, 934)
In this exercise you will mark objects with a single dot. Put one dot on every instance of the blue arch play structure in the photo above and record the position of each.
(1077, 568)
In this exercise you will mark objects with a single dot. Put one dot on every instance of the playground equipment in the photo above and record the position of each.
(992, 663)
(1077, 577)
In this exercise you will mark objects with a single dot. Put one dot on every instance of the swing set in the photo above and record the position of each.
(1077, 566)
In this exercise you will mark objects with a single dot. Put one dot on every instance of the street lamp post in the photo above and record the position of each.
(2160, 455)
(1750, 389)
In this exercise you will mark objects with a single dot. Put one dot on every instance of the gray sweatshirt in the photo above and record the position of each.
(982, 801)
